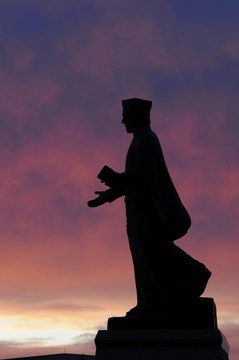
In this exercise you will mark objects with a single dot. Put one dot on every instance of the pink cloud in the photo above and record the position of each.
(23, 100)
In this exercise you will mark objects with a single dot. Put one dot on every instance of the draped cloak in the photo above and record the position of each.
(155, 218)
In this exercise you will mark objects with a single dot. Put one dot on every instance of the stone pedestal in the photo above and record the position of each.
(188, 335)
(161, 345)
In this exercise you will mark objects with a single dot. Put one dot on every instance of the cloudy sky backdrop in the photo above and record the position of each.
(65, 66)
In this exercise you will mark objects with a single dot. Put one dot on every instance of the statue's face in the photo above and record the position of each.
(130, 120)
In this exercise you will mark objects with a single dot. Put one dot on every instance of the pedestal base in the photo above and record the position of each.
(161, 344)
(185, 334)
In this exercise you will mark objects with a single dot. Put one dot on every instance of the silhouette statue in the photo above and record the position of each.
(164, 274)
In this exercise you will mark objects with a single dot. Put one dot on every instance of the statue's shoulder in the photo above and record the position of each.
(150, 137)
(148, 142)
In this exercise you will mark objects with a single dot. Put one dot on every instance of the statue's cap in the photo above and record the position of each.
(136, 104)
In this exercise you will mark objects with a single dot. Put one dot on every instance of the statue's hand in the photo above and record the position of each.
(100, 200)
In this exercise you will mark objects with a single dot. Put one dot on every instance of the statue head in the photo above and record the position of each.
(136, 114)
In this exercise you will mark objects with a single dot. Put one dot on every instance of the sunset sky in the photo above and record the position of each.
(65, 66)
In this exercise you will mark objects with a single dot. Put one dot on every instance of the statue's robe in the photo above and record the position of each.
(156, 217)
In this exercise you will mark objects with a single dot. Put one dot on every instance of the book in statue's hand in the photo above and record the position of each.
(105, 173)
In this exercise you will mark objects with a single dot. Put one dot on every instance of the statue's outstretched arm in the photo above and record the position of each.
(106, 196)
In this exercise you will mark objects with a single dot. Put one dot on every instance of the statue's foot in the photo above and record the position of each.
(136, 311)
(171, 307)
